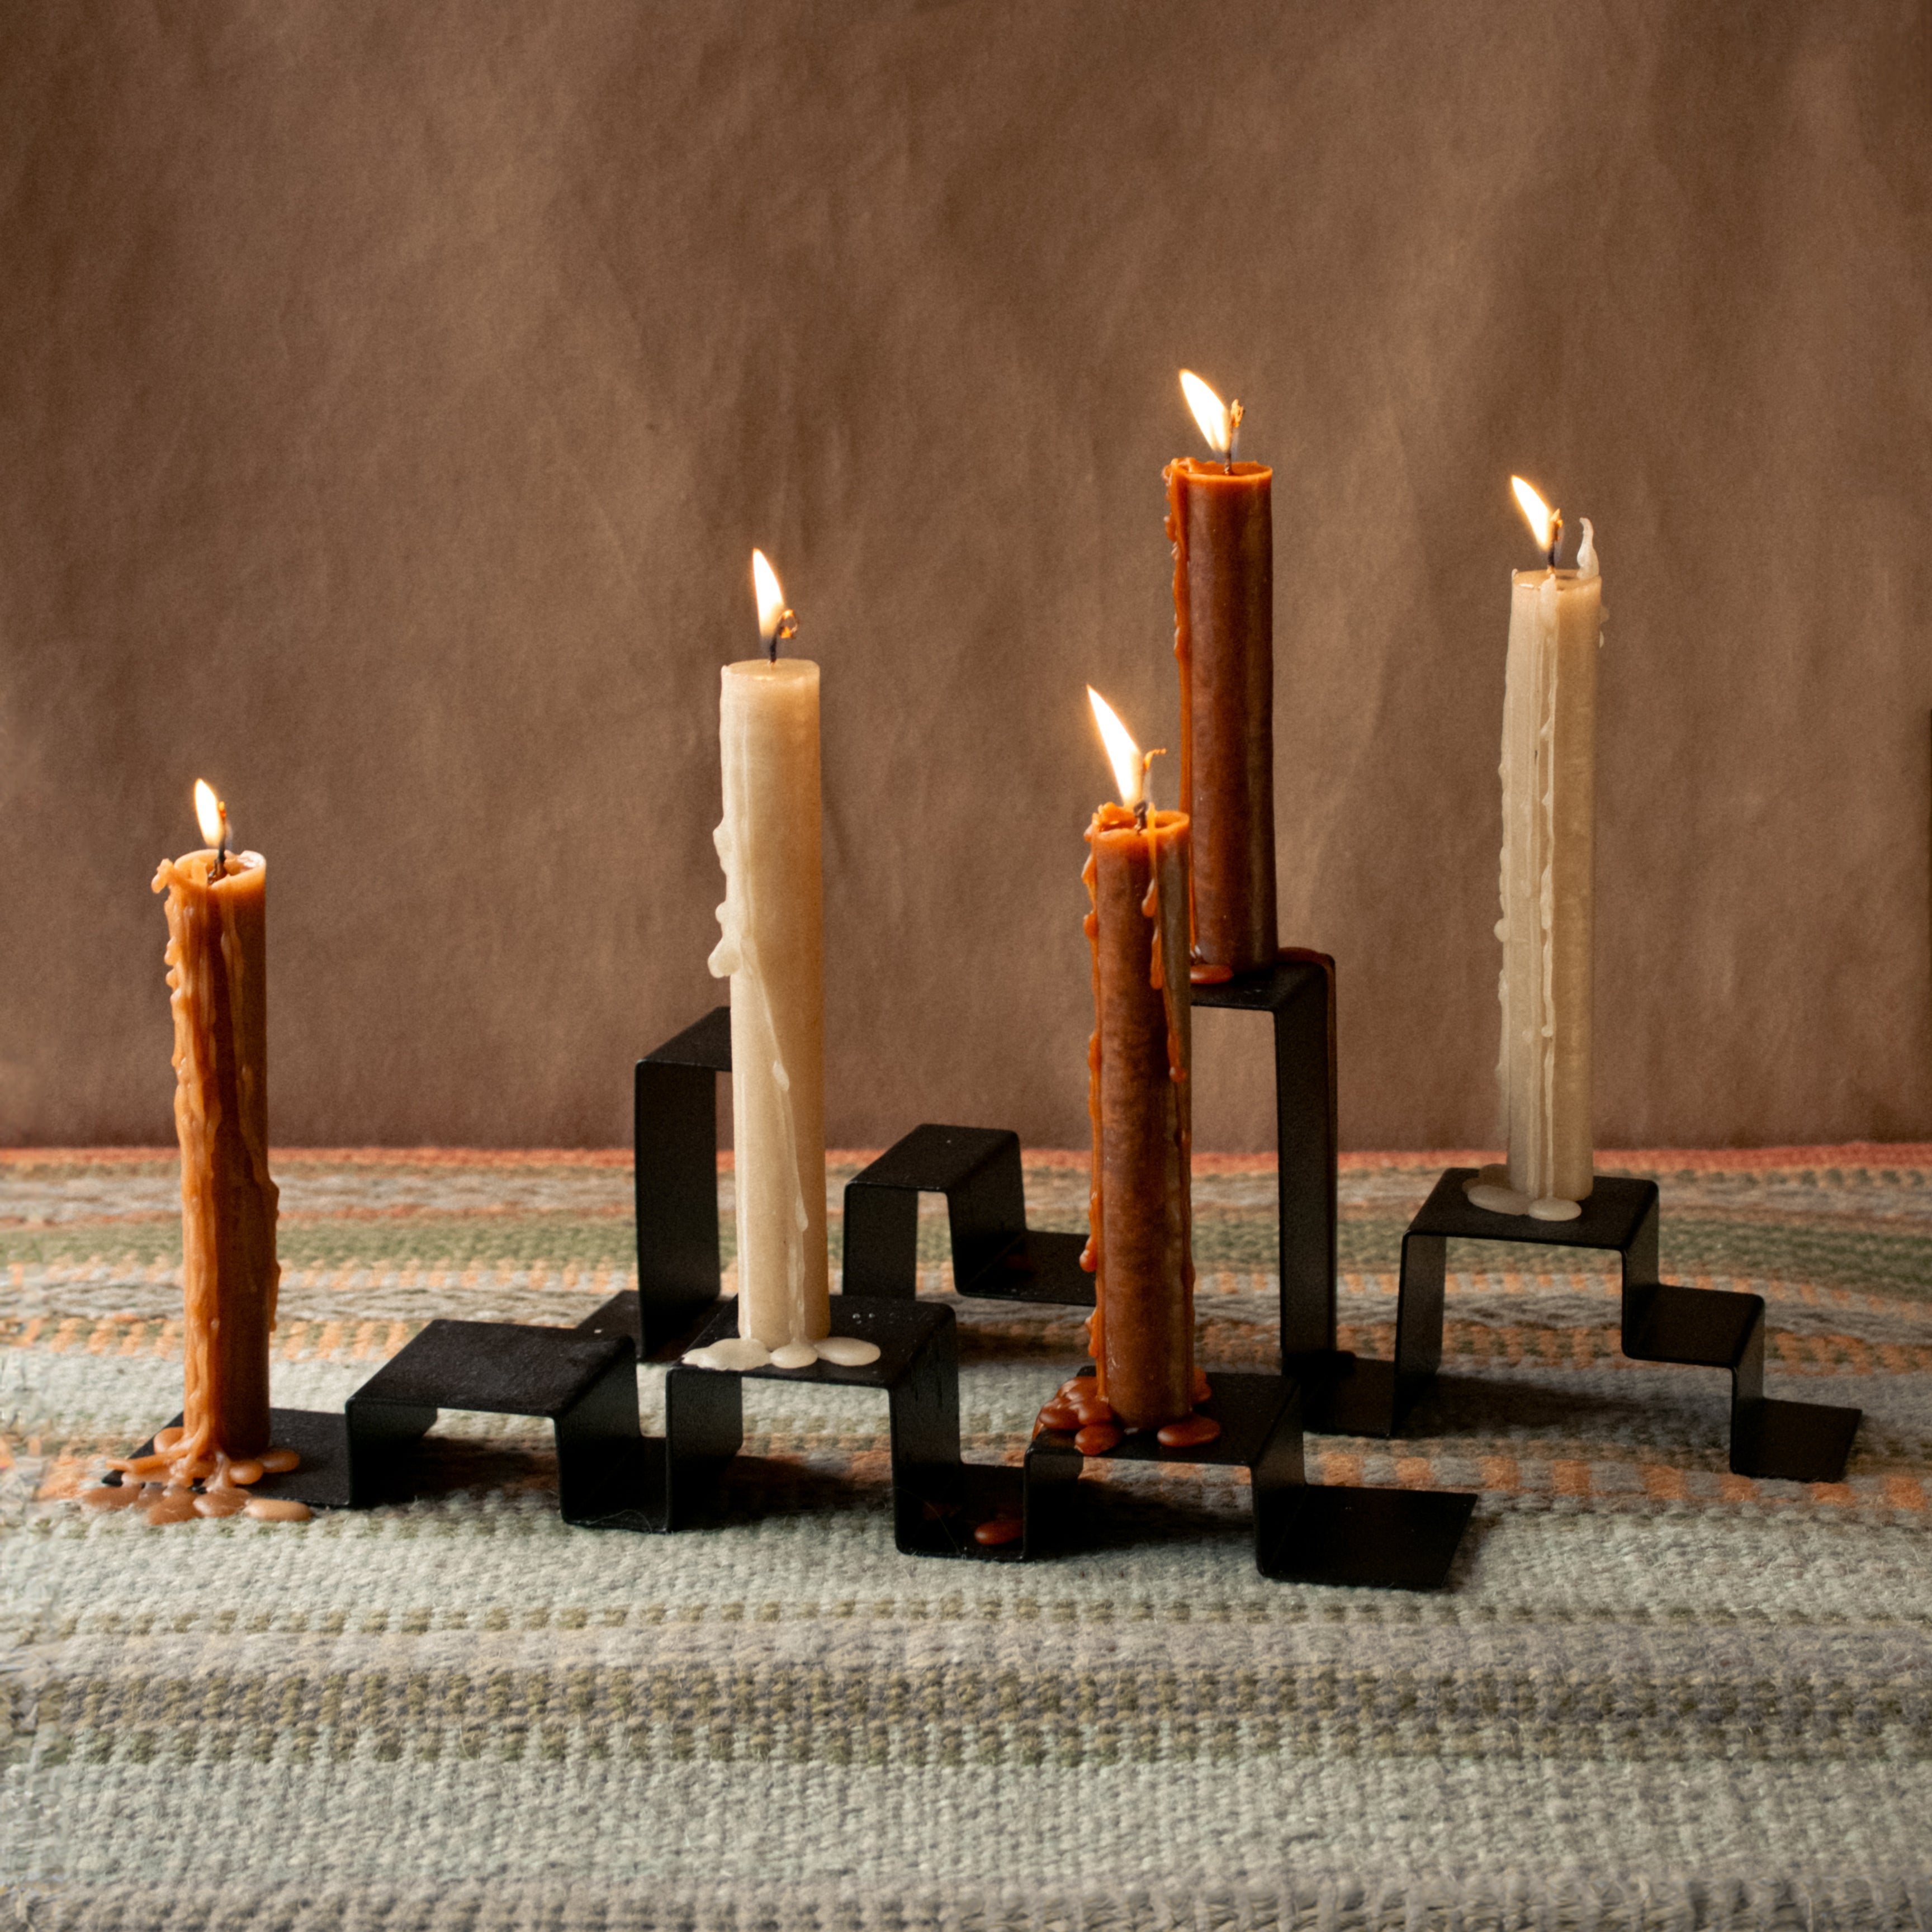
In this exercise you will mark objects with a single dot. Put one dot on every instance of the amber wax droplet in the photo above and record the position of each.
(1140, 1238)
(1221, 524)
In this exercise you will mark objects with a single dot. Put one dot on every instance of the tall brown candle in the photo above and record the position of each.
(1220, 522)
(1139, 1245)
(216, 957)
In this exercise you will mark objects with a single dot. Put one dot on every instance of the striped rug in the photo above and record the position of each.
(1656, 1694)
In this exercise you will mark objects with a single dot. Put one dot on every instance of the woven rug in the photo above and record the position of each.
(1655, 1694)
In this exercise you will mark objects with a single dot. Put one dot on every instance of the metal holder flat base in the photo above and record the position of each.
(320, 1479)
(1796, 1442)
(1304, 1532)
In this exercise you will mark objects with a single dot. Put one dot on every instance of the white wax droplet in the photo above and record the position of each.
(1586, 551)
(780, 1079)
(847, 1352)
(739, 1352)
(794, 1355)
(1496, 1200)
(701, 1358)
(1549, 1208)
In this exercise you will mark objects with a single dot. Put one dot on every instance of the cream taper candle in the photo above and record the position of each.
(1549, 776)
(772, 950)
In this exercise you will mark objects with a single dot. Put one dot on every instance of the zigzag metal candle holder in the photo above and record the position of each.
(1698, 1327)
(995, 1254)
(1303, 1532)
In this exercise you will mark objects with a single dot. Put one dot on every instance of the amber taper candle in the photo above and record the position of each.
(1140, 1246)
(216, 960)
(1220, 522)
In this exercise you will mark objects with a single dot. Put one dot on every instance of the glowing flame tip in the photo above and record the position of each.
(1535, 511)
(209, 810)
(1122, 752)
(1209, 411)
(770, 594)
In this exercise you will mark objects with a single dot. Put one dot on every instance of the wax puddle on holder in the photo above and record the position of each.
(738, 1354)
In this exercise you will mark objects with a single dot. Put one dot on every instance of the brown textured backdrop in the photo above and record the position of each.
(389, 397)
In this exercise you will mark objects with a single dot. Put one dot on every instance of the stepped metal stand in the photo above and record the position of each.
(938, 1499)
(585, 1386)
(1304, 1532)
(1797, 1441)
(1398, 1539)
(997, 1256)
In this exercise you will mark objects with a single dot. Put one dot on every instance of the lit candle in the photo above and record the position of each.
(1138, 1243)
(217, 957)
(1220, 522)
(771, 951)
(1548, 777)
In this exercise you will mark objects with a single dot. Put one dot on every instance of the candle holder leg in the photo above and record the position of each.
(1345, 1393)
(1797, 1441)
(1304, 1532)
(680, 1262)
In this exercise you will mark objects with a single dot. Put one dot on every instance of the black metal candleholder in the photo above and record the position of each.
(1304, 1532)
(997, 1256)
(1714, 1328)
(938, 1499)
(1396, 1538)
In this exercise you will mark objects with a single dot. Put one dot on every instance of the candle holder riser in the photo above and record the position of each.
(1795, 1441)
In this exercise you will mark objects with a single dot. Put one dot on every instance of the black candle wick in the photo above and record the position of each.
(786, 627)
(1555, 535)
(1234, 414)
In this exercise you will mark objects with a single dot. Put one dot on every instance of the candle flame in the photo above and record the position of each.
(770, 594)
(1209, 411)
(209, 810)
(1122, 752)
(1536, 512)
